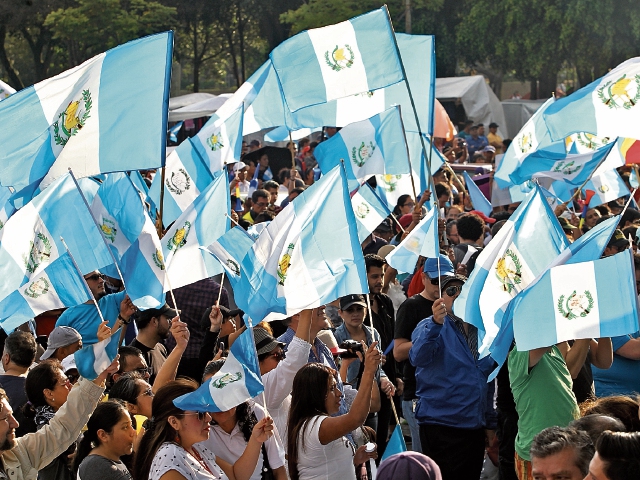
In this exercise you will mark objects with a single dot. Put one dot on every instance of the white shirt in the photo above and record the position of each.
(230, 446)
(316, 461)
(279, 382)
(171, 456)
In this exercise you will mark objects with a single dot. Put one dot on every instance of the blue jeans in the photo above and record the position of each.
(409, 416)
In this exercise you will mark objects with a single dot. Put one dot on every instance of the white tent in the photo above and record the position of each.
(203, 108)
(518, 112)
(188, 99)
(480, 103)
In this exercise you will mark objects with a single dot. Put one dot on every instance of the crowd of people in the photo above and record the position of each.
(337, 379)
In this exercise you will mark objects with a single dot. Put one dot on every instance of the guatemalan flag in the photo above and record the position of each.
(607, 186)
(6, 90)
(108, 114)
(291, 267)
(420, 75)
(607, 107)
(373, 146)
(132, 237)
(230, 249)
(579, 300)
(323, 64)
(478, 199)
(59, 285)
(532, 141)
(30, 240)
(421, 241)
(369, 209)
(525, 245)
(237, 381)
(574, 169)
(203, 222)
(186, 176)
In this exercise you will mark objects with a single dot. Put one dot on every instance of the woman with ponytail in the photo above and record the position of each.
(109, 436)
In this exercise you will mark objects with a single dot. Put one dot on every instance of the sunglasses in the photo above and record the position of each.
(279, 355)
(200, 415)
(453, 290)
(147, 393)
(95, 277)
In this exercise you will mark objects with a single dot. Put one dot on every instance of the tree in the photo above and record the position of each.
(94, 26)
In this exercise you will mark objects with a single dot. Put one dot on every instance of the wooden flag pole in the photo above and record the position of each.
(292, 150)
(220, 292)
(159, 226)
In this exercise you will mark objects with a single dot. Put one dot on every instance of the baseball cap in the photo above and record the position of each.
(265, 342)
(69, 363)
(493, 124)
(148, 314)
(447, 280)
(431, 266)
(386, 250)
(484, 217)
(60, 337)
(328, 338)
(618, 239)
(205, 323)
(405, 220)
(566, 225)
(385, 226)
(348, 300)
(409, 465)
(489, 148)
(239, 166)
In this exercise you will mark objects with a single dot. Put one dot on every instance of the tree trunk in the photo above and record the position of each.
(533, 90)
(548, 83)
(241, 42)
(14, 79)
(196, 60)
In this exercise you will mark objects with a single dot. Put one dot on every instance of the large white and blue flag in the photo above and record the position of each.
(607, 107)
(6, 207)
(6, 90)
(525, 245)
(578, 300)
(291, 268)
(201, 224)
(186, 176)
(133, 239)
(418, 54)
(237, 381)
(533, 141)
(108, 114)
(369, 209)
(230, 249)
(373, 146)
(57, 286)
(323, 64)
(421, 241)
(30, 240)
(478, 199)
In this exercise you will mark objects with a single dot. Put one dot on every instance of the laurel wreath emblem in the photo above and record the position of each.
(568, 311)
(334, 63)
(611, 89)
(59, 124)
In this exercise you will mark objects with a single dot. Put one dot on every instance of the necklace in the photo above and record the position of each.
(194, 454)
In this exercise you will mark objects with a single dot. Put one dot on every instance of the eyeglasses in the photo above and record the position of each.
(354, 308)
(453, 290)
(409, 204)
(200, 415)
(142, 371)
(262, 204)
(95, 277)
(147, 393)
(279, 355)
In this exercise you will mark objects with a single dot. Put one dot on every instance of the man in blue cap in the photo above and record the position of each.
(410, 313)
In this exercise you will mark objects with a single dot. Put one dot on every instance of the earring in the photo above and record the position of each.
(177, 438)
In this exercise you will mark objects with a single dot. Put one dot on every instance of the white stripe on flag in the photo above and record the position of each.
(338, 43)
(568, 302)
(227, 390)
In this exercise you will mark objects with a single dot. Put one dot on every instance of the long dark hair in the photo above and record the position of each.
(401, 200)
(310, 388)
(43, 376)
(160, 431)
(105, 417)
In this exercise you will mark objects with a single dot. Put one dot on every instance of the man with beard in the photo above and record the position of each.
(154, 326)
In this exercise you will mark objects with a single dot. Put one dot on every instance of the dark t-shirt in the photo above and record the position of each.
(101, 468)
(410, 313)
(14, 388)
(384, 323)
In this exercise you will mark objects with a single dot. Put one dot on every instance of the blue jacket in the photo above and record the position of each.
(451, 385)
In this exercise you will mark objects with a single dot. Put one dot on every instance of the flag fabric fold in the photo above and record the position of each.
(202, 223)
(323, 64)
(291, 267)
(230, 249)
(421, 241)
(237, 381)
(369, 209)
(57, 286)
(478, 199)
(395, 445)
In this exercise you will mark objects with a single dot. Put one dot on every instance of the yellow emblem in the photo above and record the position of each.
(179, 238)
(624, 92)
(340, 58)
(72, 119)
(215, 142)
(284, 264)
(509, 271)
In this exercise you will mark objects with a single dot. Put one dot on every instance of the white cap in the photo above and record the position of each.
(239, 166)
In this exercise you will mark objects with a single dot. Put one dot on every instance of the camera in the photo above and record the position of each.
(351, 347)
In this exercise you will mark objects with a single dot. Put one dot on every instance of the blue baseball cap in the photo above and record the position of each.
(431, 267)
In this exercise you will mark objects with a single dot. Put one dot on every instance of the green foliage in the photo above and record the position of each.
(94, 26)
